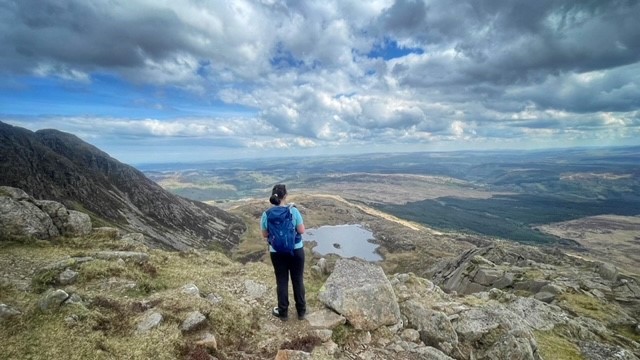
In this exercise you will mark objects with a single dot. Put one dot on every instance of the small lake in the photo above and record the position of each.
(343, 240)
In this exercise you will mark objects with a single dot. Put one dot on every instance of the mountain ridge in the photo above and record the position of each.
(51, 164)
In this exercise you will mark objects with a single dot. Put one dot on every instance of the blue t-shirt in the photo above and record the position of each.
(297, 220)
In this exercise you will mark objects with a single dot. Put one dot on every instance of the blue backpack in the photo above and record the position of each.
(282, 233)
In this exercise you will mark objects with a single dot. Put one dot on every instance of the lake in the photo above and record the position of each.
(343, 240)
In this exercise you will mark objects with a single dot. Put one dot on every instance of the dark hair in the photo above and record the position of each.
(278, 193)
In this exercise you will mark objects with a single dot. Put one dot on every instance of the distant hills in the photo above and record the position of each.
(53, 165)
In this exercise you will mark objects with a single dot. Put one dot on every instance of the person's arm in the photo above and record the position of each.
(298, 218)
(263, 226)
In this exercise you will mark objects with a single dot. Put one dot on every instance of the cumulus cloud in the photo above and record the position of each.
(463, 71)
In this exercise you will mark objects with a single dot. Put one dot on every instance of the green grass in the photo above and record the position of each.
(552, 345)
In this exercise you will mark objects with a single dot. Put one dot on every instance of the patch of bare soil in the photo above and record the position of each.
(610, 238)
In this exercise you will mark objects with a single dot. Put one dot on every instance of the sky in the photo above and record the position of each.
(153, 81)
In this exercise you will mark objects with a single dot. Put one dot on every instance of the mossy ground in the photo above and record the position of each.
(115, 294)
(553, 345)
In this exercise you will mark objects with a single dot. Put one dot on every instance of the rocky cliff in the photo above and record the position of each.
(53, 165)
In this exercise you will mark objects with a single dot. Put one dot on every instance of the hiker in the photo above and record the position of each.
(282, 228)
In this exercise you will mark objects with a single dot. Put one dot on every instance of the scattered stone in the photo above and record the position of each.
(67, 277)
(190, 289)
(213, 298)
(323, 334)
(137, 257)
(361, 292)
(434, 326)
(73, 299)
(487, 277)
(552, 289)
(254, 289)
(71, 320)
(194, 321)
(316, 269)
(544, 297)
(325, 319)
(52, 299)
(208, 340)
(7, 312)
(149, 321)
(292, 355)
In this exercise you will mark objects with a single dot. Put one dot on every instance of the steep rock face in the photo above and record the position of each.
(54, 165)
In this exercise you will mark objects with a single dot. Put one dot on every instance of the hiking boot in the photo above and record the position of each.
(301, 316)
(280, 315)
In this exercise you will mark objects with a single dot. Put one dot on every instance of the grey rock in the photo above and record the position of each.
(67, 277)
(607, 271)
(592, 350)
(430, 353)
(411, 335)
(213, 298)
(137, 257)
(208, 340)
(52, 299)
(361, 292)
(190, 289)
(56, 211)
(254, 289)
(510, 347)
(325, 319)
(24, 219)
(14, 193)
(148, 321)
(504, 281)
(323, 334)
(133, 238)
(7, 312)
(73, 299)
(322, 264)
(544, 296)
(292, 355)
(532, 286)
(638, 329)
(78, 224)
(71, 320)
(487, 277)
(537, 315)
(193, 321)
(434, 326)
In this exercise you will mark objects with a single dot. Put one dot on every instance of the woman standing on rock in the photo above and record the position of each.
(282, 227)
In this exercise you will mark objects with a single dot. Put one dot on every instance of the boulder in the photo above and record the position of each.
(361, 292)
(193, 321)
(544, 296)
(78, 224)
(24, 219)
(7, 312)
(208, 340)
(325, 319)
(56, 211)
(138, 257)
(434, 326)
(190, 289)
(52, 299)
(607, 271)
(148, 321)
(67, 277)
(430, 353)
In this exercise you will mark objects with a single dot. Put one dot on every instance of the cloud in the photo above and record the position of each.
(314, 74)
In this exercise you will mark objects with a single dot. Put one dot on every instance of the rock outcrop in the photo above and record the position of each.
(21, 216)
(361, 293)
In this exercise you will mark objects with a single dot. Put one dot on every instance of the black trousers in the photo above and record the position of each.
(283, 265)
